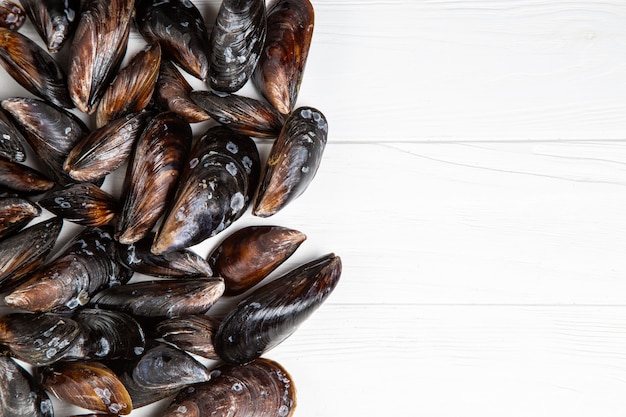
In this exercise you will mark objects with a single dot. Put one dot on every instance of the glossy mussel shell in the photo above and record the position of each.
(20, 394)
(12, 16)
(82, 203)
(171, 92)
(23, 179)
(55, 20)
(271, 313)
(11, 140)
(16, 213)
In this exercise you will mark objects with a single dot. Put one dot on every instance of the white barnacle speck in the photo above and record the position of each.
(50, 353)
(237, 387)
(104, 347)
(115, 408)
(5, 136)
(306, 113)
(72, 303)
(255, 305)
(193, 163)
(181, 409)
(247, 163)
(231, 168)
(138, 350)
(283, 410)
(184, 24)
(104, 394)
(232, 147)
(241, 59)
(68, 130)
(60, 201)
(45, 407)
(228, 55)
(132, 255)
(305, 170)
(237, 201)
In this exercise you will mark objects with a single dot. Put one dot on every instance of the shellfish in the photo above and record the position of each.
(54, 20)
(16, 213)
(11, 140)
(20, 394)
(82, 203)
(12, 16)
(193, 334)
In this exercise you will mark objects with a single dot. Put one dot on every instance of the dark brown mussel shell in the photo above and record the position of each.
(20, 394)
(97, 50)
(250, 254)
(106, 334)
(105, 149)
(26, 251)
(160, 372)
(152, 175)
(131, 91)
(214, 189)
(171, 92)
(89, 385)
(293, 161)
(12, 16)
(161, 298)
(11, 140)
(279, 71)
(241, 114)
(182, 263)
(38, 339)
(178, 26)
(82, 203)
(54, 20)
(270, 314)
(259, 389)
(15, 213)
(33, 68)
(236, 43)
(88, 264)
(23, 179)
(193, 334)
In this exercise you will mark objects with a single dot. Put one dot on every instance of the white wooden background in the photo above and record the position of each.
(474, 184)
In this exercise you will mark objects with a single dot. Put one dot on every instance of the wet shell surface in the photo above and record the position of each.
(258, 389)
(193, 334)
(23, 179)
(12, 16)
(11, 140)
(82, 203)
(20, 394)
(55, 20)
(15, 213)
(171, 92)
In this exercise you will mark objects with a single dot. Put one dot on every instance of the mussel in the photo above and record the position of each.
(16, 213)
(20, 394)
(54, 20)
(23, 179)
(82, 203)
(11, 140)
(12, 16)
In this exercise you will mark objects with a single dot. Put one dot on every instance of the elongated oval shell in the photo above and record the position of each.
(270, 314)
(259, 389)
(171, 92)
(82, 203)
(22, 178)
(20, 394)
(193, 334)
(152, 175)
(132, 89)
(279, 71)
(39, 339)
(16, 213)
(88, 385)
(243, 115)
(11, 140)
(12, 16)
(87, 265)
(214, 190)
(293, 161)
(54, 20)
(178, 26)
(250, 254)
(236, 42)
(26, 251)
(33, 68)
(163, 298)
(97, 50)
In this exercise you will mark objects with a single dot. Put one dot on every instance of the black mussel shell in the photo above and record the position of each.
(20, 394)
(97, 50)
(33, 68)
(214, 189)
(270, 314)
(87, 265)
(38, 339)
(161, 298)
(279, 71)
(26, 251)
(293, 161)
(250, 254)
(193, 334)
(11, 140)
(82, 203)
(152, 175)
(15, 213)
(259, 389)
(12, 16)
(178, 26)
(54, 20)
(171, 92)
(236, 43)
(241, 114)
(23, 179)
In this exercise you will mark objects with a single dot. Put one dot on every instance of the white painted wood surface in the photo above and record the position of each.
(474, 185)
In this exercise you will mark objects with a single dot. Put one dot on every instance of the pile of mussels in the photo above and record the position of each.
(90, 336)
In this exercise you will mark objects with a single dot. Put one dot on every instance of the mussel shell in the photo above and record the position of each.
(152, 175)
(293, 161)
(171, 92)
(250, 254)
(258, 389)
(54, 20)
(50, 131)
(278, 73)
(20, 394)
(161, 298)
(270, 314)
(214, 190)
(15, 213)
(131, 91)
(236, 43)
(33, 68)
(105, 149)
(38, 339)
(26, 251)
(89, 385)
(97, 50)
(82, 203)
(182, 263)
(11, 140)
(22, 178)
(87, 265)
(178, 26)
(12, 16)
(243, 115)
(193, 334)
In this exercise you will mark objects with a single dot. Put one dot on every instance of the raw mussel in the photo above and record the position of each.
(171, 92)
(82, 203)
(193, 334)
(23, 179)
(12, 16)
(20, 394)
(15, 213)
(54, 20)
